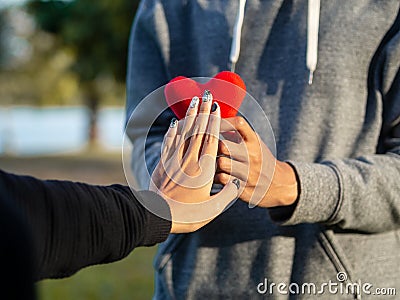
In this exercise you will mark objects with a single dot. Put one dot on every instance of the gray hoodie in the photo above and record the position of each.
(341, 134)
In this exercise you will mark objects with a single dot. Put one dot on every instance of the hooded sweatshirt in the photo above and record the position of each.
(341, 134)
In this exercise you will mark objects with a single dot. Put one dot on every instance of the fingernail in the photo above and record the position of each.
(207, 96)
(194, 102)
(174, 122)
(236, 182)
(214, 107)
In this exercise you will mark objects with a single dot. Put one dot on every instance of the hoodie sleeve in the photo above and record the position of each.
(360, 193)
(147, 72)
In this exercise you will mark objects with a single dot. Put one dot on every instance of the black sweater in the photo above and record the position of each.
(64, 226)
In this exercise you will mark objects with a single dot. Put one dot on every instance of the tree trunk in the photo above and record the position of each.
(92, 102)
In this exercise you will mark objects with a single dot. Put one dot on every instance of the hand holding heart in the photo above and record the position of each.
(267, 182)
(264, 180)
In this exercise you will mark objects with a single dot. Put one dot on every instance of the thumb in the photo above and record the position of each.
(228, 195)
(218, 203)
(204, 212)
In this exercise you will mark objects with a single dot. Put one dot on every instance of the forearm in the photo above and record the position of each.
(76, 225)
(358, 194)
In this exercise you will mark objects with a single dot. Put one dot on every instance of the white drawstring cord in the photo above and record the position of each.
(312, 37)
(237, 33)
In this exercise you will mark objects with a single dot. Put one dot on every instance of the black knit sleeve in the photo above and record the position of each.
(75, 225)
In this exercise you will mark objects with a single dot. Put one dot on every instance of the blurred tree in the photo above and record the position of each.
(35, 70)
(2, 46)
(97, 32)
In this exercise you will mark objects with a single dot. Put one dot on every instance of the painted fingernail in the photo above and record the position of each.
(207, 96)
(194, 102)
(236, 182)
(174, 122)
(214, 107)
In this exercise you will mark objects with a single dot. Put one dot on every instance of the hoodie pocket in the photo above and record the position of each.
(164, 288)
(338, 259)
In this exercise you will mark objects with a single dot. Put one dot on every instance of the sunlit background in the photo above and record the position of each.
(62, 96)
(4, 3)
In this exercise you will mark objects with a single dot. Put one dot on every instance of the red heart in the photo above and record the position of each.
(227, 88)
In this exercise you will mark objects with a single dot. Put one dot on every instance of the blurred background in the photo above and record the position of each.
(62, 95)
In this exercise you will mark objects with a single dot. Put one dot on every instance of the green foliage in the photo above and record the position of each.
(50, 16)
(97, 34)
(97, 31)
(2, 46)
(45, 79)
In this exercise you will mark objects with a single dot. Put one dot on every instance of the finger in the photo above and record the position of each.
(227, 195)
(199, 126)
(180, 126)
(233, 150)
(210, 143)
(240, 125)
(232, 136)
(186, 127)
(233, 167)
(168, 146)
(224, 179)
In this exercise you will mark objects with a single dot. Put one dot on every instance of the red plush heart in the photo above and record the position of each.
(227, 88)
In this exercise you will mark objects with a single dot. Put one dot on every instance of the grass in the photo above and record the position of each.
(131, 278)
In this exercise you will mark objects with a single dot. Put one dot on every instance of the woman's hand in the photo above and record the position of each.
(267, 182)
(185, 173)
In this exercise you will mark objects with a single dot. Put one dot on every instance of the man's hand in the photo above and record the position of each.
(185, 173)
(267, 181)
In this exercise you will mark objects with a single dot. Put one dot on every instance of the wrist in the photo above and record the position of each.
(284, 187)
(289, 180)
